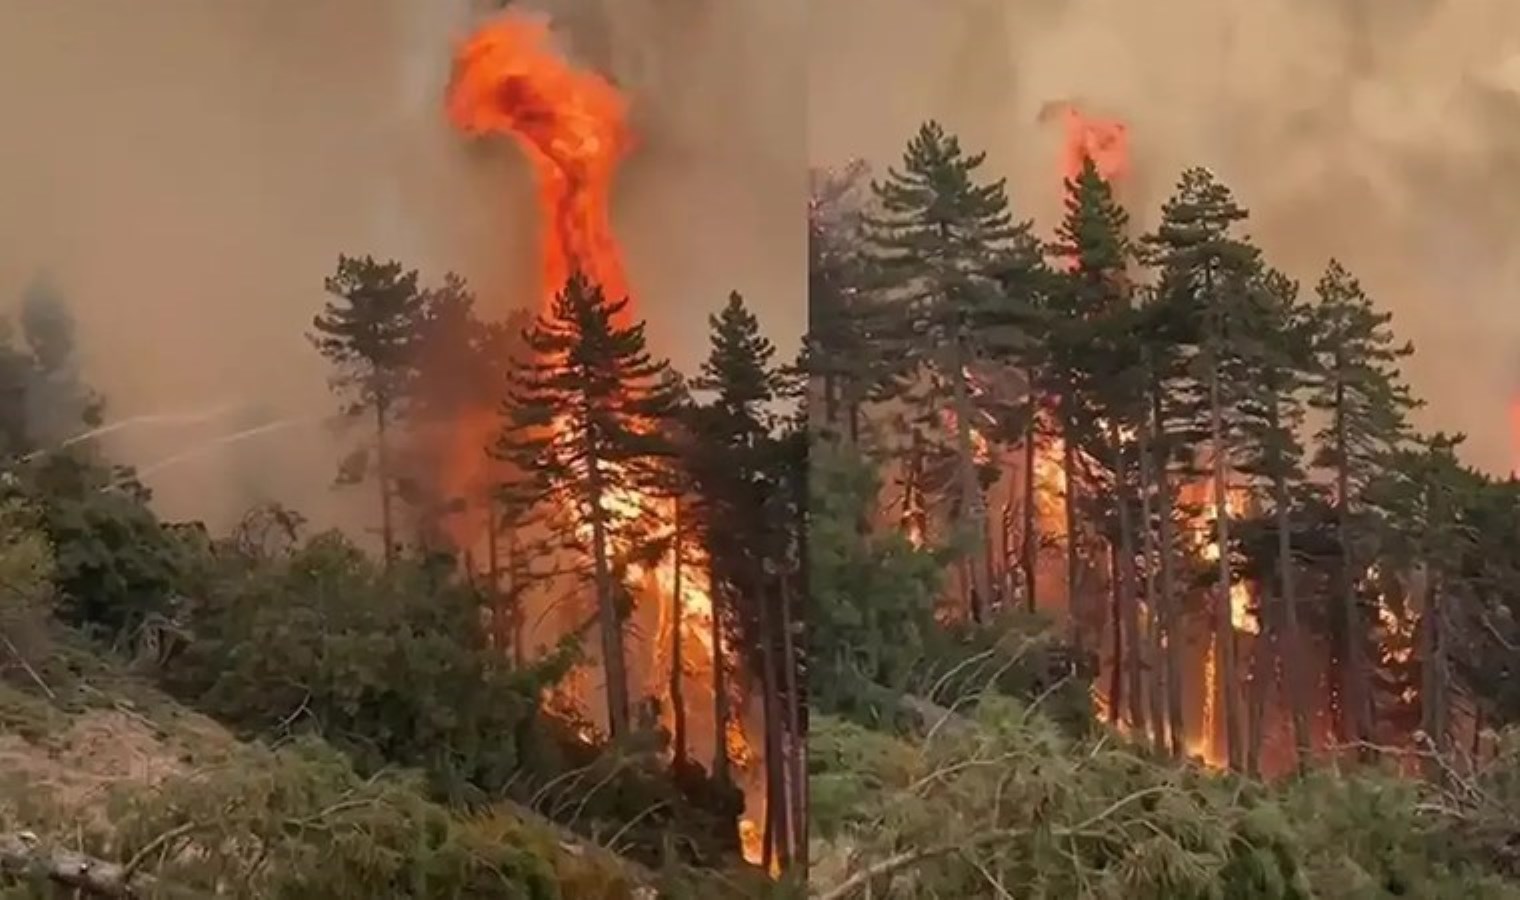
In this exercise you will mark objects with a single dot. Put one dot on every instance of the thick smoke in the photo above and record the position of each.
(186, 173)
(1384, 132)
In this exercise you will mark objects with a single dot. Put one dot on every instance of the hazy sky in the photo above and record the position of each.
(187, 173)
(1384, 132)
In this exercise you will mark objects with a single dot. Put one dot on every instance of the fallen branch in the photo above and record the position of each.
(24, 855)
(909, 858)
(27, 667)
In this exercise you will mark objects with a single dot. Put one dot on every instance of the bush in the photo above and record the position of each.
(1016, 801)
(392, 666)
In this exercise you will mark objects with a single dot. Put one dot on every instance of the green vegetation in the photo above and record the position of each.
(1009, 429)
(278, 712)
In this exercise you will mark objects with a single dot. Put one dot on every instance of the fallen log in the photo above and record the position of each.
(24, 855)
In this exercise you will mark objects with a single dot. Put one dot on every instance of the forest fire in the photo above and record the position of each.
(572, 126)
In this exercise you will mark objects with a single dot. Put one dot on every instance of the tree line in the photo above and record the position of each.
(600, 458)
(950, 345)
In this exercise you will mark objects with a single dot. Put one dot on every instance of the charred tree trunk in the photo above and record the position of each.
(383, 471)
(609, 623)
(1264, 649)
(677, 659)
(1167, 597)
(1153, 648)
(1031, 549)
(1356, 698)
(720, 766)
(1435, 696)
(796, 777)
(1074, 604)
(1129, 606)
(972, 506)
(1116, 693)
(777, 839)
(1288, 640)
(1224, 627)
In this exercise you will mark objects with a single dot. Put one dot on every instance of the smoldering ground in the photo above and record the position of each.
(186, 173)
(1383, 132)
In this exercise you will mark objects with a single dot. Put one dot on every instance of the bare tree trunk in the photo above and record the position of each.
(1116, 696)
(796, 776)
(609, 623)
(1263, 652)
(678, 620)
(1435, 698)
(972, 506)
(383, 471)
(720, 766)
(1288, 646)
(1153, 645)
(1224, 628)
(778, 840)
(1356, 695)
(1031, 552)
(1171, 625)
(1074, 602)
(1129, 606)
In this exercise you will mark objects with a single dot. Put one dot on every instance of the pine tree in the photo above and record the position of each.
(944, 244)
(1359, 388)
(1272, 418)
(1421, 495)
(744, 535)
(1091, 368)
(1205, 294)
(582, 433)
(368, 331)
(842, 355)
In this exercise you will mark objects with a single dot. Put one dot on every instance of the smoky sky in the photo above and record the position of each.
(1385, 133)
(185, 173)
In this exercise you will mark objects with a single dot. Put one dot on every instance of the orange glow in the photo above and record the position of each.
(1104, 141)
(572, 125)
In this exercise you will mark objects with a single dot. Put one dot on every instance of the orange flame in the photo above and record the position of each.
(572, 125)
(1104, 141)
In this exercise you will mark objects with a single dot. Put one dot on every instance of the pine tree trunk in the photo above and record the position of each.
(973, 508)
(1074, 603)
(1129, 605)
(1153, 646)
(1031, 550)
(1116, 693)
(1435, 703)
(1288, 645)
(1356, 699)
(678, 619)
(1263, 652)
(796, 779)
(777, 816)
(609, 623)
(1171, 625)
(383, 467)
(720, 766)
(1224, 628)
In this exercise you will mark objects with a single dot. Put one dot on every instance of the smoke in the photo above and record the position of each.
(1384, 133)
(187, 173)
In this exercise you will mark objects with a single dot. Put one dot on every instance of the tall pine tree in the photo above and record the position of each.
(1360, 391)
(368, 330)
(582, 431)
(944, 242)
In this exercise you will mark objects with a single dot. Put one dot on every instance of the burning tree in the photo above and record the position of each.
(943, 245)
(583, 416)
(1367, 403)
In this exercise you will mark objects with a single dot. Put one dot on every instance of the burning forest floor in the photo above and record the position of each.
(992, 783)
